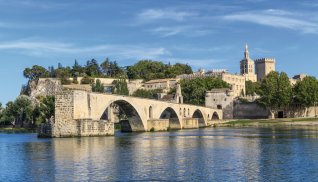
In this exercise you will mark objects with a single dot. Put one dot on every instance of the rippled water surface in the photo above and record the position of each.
(211, 154)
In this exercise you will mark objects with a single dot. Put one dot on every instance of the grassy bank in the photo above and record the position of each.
(16, 130)
(268, 122)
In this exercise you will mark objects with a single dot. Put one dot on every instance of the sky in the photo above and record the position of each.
(208, 34)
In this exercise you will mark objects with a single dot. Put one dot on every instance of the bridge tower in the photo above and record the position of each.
(178, 97)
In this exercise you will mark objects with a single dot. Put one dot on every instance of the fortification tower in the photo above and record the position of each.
(264, 66)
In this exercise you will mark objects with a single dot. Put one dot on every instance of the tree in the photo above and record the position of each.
(193, 90)
(177, 69)
(105, 67)
(45, 110)
(1, 112)
(8, 114)
(252, 87)
(146, 69)
(19, 112)
(150, 94)
(120, 87)
(275, 91)
(98, 86)
(111, 69)
(93, 69)
(35, 72)
(306, 92)
(64, 74)
(77, 70)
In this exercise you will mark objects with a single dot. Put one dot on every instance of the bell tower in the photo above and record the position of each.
(247, 66)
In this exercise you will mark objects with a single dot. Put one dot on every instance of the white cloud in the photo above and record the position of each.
(150, 15)
(45, 49)
(189, 31)
(276, 18)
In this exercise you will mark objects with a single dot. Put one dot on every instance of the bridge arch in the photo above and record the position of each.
(215, 116)
(131, 119)
(199, 115)
(171, 114)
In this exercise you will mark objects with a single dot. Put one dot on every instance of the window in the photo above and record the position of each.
(150, 112)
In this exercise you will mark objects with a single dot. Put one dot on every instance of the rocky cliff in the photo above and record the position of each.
(42, 87)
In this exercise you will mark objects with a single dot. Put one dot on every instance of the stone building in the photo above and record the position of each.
(164, 84)
(247, 67)
(263, 67)
(221, 99)
(296, 78)
(232, 107)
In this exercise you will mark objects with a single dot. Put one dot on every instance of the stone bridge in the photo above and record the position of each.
(80, 113)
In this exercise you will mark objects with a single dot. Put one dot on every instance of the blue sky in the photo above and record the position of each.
(208, 33)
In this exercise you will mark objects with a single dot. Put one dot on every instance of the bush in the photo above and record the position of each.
(87, 80)
(65, 81)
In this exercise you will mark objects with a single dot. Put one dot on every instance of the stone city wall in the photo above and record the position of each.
(249, 110)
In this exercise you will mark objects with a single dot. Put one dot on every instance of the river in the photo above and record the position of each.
(211, 154)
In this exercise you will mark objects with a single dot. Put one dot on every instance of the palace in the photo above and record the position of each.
(256, 71)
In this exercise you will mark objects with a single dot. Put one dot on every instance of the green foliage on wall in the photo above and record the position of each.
(193, 90)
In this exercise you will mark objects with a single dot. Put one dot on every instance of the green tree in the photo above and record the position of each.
(193, 90)
(98, 86)
(252, 87)
(306, 92)
(64, 73)
(120, 87)
(35, 72)
(111, 69)
(1, 113)
(45, 110)
(150, 94)
(93, 69)
(77, 70)
(275, 91)
(177, 69)
(146, 69)
(8, 114)
(19, 112)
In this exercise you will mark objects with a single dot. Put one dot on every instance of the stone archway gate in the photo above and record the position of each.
(79, 113)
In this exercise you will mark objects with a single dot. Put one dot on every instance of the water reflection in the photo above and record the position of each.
(212, 154)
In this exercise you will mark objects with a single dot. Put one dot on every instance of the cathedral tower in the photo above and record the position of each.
(247, 66)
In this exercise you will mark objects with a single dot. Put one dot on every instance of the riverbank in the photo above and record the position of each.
(271, 122)
(16, 130)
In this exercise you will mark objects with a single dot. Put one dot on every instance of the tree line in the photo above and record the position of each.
(143, 69)
(27, 113)
(278, 93)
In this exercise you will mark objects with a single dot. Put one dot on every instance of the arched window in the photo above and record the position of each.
(184, 112)
(150, 112)
(188, 112)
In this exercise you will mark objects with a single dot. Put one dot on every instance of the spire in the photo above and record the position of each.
(246, 54)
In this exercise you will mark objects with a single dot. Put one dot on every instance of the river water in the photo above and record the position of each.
(211, 154)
